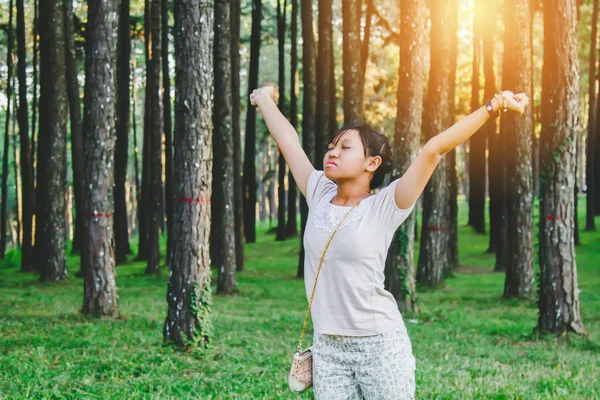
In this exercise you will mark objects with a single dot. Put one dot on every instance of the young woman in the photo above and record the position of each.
(360, 344)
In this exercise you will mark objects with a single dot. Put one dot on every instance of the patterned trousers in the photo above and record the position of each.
(376, 367)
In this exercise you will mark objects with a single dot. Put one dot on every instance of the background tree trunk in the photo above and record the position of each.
(53, 121)
(100, 290)
(25, 161)
(400, 264)
(517, 129)
(167, 125)
(308, 109)
(122, 247)
(281, 27)
(292, 224)
(352, 64)
(223, 233)
(590, 172)
(189, 294)
(250, 138)
(155, 121)
(324, 126)
(558, 292)
(478, 142)
(435, 259)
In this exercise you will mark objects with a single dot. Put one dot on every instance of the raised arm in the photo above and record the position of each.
(414, 180)
(285, 136)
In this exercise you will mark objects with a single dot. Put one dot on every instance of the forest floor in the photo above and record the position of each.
(469, 343)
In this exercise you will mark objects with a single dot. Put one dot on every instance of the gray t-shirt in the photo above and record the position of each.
(350, 298)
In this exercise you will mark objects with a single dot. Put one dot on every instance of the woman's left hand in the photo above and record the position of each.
(515, 102)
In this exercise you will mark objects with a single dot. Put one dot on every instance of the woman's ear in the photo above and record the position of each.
(373, 163)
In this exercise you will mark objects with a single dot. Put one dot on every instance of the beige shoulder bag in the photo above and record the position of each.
(300, 377)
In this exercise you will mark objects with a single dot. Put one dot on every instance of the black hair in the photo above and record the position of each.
(375, 144)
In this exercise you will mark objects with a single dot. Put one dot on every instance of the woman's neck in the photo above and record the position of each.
(350, 193)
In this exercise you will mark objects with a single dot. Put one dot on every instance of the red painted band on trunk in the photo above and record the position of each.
(553, 217)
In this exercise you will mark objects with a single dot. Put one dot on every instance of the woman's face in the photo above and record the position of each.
(346, 158)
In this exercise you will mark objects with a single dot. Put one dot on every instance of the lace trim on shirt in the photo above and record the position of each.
(327, 216)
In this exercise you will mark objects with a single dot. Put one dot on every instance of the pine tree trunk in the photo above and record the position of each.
(590, 172)
(308, 109)
(155, 194)
(223, 235)
(281, 168)
(237, 138)
(324, 126)
(4, 205)
(517, 129)
(351, 45)
(53, 121)
(189, 294)
(558, 292)
(478, 142)
(25, 153)
(452, 175)
(435, 258)
(400, 264)
(34, 103)
(167, 125)
(122, 247)
(250, 137)
(292, 224)
(100, 291)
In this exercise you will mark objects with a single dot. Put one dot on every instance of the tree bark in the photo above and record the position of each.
(25, 153)
(308, 109)
(292, 223)
(324, 106)
(352, 62)
(558, 292)
(237, 138)
(34, 102)
(167, 125)
(223, 233)
(281, 27)
(100, 290)
(122, 247)
(4, 205)
(155, 136)
(518, 129)
(189, 294)
(435, 259)
(52, 147)
(400, 264)
(250, 137)
(590, 172)
(478, 142)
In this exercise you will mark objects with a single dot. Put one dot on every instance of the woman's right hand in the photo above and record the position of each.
(263, 91)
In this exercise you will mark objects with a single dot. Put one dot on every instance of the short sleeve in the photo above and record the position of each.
(386, 210)
(317, 187)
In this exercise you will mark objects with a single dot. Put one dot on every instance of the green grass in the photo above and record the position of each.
(469, 343)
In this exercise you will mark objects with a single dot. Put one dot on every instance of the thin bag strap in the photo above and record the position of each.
(312, 295)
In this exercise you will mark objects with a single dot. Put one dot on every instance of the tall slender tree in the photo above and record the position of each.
(153, 86)
(590, 224)
(77, 156)
(558, 292)
(189, 294)
(292, 223)
(281, 168)
(400, 264)
(167, 125)
(478, 142)
(25, 147)
(222, 227)
(34, 101)
(351, 12)
(237, 137)
(435, 260)
(4, 205)
(249, 179)
(51, 211)
(100, 116)
(122, 247)
(325, 93)
(517, 130)
(308, 108)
